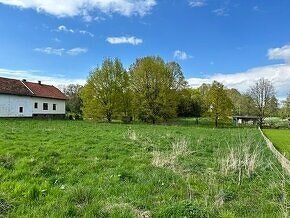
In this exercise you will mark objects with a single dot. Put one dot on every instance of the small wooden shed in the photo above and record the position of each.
(248, 120)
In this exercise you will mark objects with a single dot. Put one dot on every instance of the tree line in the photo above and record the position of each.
(153, 90)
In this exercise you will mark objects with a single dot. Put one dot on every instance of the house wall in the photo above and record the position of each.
(10, 104)
(60, 106)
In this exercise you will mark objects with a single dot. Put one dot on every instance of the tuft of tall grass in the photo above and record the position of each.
(7, 161)
(280, 187)
(131, 134)
(242, 159)
(179, 148)
(138, 213)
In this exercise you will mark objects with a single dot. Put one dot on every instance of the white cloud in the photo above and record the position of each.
(34, 76)
(181, 55)
(197, 3)
(87, 18)
(279, 75)
(84, 32)
(125, 40)
(77, 51)
(221, 12)
(282, 53)
(63, 28)
(51, 51)
(65, 8)
(61, 51)
(99, 19)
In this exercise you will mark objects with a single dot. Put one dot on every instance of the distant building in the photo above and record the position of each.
(26, 99)
(248, 120)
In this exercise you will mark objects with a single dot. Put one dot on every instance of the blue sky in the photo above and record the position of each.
(232, 41)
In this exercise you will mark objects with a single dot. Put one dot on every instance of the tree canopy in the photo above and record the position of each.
(153, 90)
(219, 104)
(105, 90)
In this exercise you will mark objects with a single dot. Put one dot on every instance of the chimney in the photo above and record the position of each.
(39, 82)
(24, 80)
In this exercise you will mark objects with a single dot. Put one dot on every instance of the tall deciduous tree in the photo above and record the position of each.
(155, 85)
(261, 93)
(74, 102)
(220, 105)
(104, 91)
(236, 98)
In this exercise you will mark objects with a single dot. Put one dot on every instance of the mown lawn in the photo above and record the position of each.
(280, 138)
(78, 168)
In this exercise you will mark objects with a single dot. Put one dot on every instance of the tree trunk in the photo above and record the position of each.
(216, 122)
(109, 116)
(261, 122)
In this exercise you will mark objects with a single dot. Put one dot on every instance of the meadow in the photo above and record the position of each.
(281, 139)
(89, 169)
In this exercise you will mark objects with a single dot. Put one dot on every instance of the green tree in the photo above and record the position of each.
(189, 103)
(273, 108)
(247, 106)
(74, 102)
(155, 85)
(285, 109)
(105, 90)
(218, 102)
(236, 98)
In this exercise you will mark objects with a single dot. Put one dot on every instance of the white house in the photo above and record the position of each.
(26, 99)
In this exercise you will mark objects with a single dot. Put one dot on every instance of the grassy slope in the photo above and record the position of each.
(62, 169)
(280, 138)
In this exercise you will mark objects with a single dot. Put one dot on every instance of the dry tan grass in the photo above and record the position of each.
(163, 160)
(179, 147)
(132, 135)
(244, 159)
(137, 212)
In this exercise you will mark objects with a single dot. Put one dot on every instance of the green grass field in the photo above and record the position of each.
(78, 168)
(280, 138)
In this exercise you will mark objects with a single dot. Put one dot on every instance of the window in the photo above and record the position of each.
(21, 110)
(35, 105)
(45, 106)
(54, 107)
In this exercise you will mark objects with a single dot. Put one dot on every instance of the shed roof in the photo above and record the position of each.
(246, 117)
(23, 88)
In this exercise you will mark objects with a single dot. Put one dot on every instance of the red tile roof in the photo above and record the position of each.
(13, 87)
(45, 91)
(17, 87)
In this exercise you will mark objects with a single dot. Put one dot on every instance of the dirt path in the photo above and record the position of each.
(281, 158)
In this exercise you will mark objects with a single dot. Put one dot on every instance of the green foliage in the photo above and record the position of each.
(218, 102)
(284, 111)
(74, 102)
(155, 84)
(107, 92)
(190, 103)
